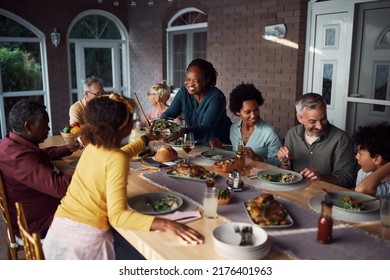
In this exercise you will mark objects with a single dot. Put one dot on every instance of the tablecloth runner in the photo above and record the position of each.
(298, 241)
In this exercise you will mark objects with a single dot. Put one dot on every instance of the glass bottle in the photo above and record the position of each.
(135, 132)
(325, 223)
(240, 157)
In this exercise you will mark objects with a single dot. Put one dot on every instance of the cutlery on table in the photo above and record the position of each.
(184, 218)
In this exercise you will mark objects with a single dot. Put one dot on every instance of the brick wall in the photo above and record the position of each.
(235, 47)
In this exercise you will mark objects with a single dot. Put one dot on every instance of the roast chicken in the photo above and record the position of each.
(190, 170)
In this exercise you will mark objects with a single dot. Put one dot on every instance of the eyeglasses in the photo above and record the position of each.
(96, 93)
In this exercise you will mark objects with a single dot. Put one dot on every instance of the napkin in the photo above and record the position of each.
(182, 217)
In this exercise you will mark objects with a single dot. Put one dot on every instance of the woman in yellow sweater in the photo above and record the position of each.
(96, 198)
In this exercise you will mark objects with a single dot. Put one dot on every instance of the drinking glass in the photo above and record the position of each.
(210, 202)
(188, 143)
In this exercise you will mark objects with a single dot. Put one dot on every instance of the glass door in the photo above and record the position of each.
(101, 60)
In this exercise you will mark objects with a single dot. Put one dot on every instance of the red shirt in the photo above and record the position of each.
(30, 178)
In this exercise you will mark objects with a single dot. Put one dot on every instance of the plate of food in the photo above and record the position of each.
(155, 203)
(353, 201)
(165, 128)
(190, 171)
(267, 212)
(279, 176)
(218, 154)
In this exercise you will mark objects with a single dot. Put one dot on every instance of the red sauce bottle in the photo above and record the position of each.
(325, 223)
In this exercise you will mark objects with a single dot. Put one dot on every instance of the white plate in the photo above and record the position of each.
(138, 203)
(202, 177)
(224, 154)
(273, 172)
(335, 197)
(288, 217)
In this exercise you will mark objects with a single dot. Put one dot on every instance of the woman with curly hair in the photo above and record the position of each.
(202, 103)
(261, 140)
(96, 198)
(373, 155)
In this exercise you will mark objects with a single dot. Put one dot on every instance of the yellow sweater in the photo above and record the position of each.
(97, 192)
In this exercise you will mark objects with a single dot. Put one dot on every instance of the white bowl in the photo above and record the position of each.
(226, 242)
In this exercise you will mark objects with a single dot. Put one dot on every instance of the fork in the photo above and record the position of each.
(248, 235)
(238, 230)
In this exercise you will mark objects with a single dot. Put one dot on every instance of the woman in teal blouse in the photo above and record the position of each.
(262, 141)
(202, 104)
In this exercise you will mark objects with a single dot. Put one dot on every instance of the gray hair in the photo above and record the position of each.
(88, 82)
(310, 101)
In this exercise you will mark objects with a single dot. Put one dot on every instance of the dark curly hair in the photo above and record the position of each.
(208, 70)
(244, 92)
(104, 118)
(25, 110)
(375, 139)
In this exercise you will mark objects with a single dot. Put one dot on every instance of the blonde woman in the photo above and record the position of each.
(158, 97)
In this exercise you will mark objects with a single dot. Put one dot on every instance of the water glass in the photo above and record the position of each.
(210, 202)
(385, 210)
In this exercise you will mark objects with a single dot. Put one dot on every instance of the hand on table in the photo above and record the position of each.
(185, 233)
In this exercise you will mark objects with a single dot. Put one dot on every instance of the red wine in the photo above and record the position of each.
(187, 148)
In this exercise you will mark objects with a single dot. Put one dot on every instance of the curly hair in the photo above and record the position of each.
(375, 139)
(25, 110)
(208, 70)
(104, 118)
(244, 92)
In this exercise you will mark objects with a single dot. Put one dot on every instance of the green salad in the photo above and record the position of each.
(347, 202)
(165, 127)
(165, 204)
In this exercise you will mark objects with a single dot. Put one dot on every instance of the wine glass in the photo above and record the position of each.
(188, 143)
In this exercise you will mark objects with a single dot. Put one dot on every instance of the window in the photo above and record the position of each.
(97, 45)
(187, 40)
(21, 65)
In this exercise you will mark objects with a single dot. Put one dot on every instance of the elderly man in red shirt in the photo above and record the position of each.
(28, 175)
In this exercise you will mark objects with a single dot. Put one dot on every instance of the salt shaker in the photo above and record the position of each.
(325, 223)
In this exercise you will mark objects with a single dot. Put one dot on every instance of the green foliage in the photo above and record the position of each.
(19, 70)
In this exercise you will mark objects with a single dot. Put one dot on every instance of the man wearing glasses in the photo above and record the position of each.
(93, 87)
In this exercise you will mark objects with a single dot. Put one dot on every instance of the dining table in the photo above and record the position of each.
(355, 236)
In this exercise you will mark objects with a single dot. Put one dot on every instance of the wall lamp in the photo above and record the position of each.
(55, 37)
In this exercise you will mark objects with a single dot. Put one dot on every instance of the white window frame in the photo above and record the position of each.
(188, 29)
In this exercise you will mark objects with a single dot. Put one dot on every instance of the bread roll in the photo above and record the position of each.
(165, 154)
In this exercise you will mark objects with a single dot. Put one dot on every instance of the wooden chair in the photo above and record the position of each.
(32, 242)
(13, 247)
